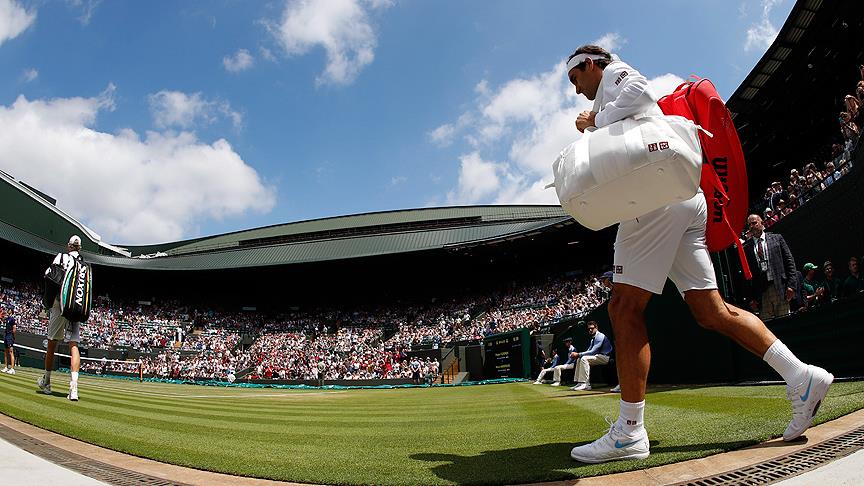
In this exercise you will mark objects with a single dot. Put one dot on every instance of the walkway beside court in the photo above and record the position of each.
(18, 464)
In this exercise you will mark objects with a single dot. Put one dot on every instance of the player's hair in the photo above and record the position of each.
(592, 49)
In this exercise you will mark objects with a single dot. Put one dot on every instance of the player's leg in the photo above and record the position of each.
(645, 249)
(807, 385)
(693, 274)
(74, 366)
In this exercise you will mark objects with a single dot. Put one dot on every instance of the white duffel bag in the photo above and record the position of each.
(628, 168)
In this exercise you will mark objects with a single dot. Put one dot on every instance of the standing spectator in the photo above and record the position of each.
(322, 370)
(597, 354)
(831, 284)
(774, 273)
(415, 371)
(61, 328)
(854, 282)
(777, 194)
(8, 342)
(812, 291)
(848, 127)
(854, 108)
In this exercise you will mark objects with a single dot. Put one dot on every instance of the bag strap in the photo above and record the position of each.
(722, 199)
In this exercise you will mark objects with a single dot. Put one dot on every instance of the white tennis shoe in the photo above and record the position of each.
(614, 446)
(581, 387)
(11, 371)
(73, 392)
(806, 399)
(44, 387)
(615, 389)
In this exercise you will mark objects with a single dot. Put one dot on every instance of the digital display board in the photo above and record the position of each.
(507, 355)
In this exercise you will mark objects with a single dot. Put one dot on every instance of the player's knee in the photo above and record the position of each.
(621, 308)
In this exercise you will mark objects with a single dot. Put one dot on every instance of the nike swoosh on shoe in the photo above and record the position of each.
(806, 394)
(619, 445)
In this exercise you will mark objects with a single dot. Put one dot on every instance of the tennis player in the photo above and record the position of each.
(668, 242)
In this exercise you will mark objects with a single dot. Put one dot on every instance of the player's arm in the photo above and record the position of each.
(57, 260)
(634, 96)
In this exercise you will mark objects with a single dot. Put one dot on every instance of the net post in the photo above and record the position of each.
(140, 371)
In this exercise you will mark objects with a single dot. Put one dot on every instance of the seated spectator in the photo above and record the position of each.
(770, 218)
(568, 365)
(597, 354)
(782, 210)
(548, 367)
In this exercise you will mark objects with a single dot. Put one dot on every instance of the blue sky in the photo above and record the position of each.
(158, 121)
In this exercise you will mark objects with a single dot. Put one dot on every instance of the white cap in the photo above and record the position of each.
(75, 240)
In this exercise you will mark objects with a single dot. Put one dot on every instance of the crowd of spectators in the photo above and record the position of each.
(780, 198)
(821, 285)
(176, 341)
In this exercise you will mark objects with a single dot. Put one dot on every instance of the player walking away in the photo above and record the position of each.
(61, 328)
(668, 242)
(8, 342)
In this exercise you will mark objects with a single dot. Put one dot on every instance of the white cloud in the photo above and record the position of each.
(87, 7)
(267, 54)
(761, 34)
(14, 19)
(341, 27)
(396, 180)
(611, 41)
(522, 125)
(240, 61)
(186, 111)
(129, 188)
(443, 135)
(478, 179)
(29, 75)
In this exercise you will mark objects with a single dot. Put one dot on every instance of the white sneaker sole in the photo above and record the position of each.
(594, 460)
(818, 391)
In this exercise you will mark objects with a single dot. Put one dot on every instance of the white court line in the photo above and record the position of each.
(92, 383)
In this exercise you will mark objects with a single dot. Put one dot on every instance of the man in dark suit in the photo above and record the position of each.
(774, 273)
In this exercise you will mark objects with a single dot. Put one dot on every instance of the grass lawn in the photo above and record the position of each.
(490, 434)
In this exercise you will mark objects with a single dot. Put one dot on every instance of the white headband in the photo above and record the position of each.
(580, 58)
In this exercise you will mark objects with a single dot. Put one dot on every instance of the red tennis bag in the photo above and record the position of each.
(724, 172)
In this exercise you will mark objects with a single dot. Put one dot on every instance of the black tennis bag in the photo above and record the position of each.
(53, 281)
(76, 291)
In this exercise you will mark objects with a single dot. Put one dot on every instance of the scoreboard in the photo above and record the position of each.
(507, 355)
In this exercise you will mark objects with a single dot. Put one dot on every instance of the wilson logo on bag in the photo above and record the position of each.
(724, 172)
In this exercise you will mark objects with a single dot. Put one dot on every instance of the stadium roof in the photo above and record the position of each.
(786, 109)
(32, 221)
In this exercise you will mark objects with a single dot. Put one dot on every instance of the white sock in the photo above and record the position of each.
(47, 376)
(74, 377)
(784, 362)
(630, 418)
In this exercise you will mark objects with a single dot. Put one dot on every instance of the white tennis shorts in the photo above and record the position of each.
(59, 328)
(667, 242)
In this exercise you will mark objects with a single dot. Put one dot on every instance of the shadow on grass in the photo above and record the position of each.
(550, 462)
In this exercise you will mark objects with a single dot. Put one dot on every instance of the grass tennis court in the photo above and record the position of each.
(489, 434)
